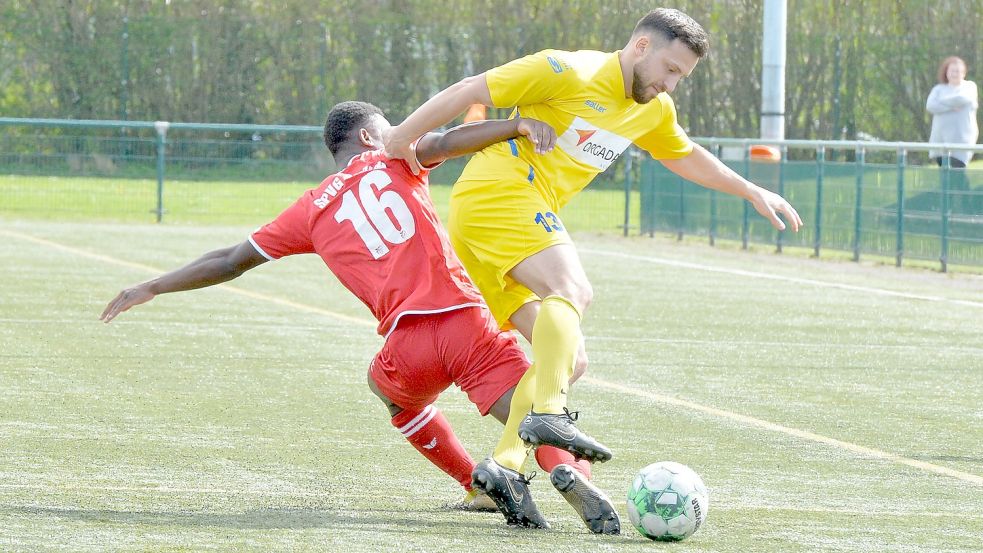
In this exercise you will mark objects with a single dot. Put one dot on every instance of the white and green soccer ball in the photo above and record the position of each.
(667, 501)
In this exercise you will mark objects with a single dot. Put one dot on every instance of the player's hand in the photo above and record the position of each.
(542, 135)
(125, 300)
(769, 205)
(400, 147)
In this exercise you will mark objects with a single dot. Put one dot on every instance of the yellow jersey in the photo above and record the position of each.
(582, 95)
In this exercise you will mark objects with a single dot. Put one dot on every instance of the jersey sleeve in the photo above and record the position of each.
(667, 140)
(531, 79)
(288, 234)
(402, 167)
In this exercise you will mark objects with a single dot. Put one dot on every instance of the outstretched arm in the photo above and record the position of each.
(472, 137)
(212, 268)
(704, 169)
(437, 111)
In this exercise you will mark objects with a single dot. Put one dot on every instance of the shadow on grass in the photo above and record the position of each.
(379, 520)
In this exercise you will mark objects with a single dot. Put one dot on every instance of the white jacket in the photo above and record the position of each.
(953, 110)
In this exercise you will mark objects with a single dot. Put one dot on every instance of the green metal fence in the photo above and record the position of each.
(162, 152)
(852, 195)
(139, 171)
(859, 197)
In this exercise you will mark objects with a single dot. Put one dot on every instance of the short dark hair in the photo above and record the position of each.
(343, 119)
(673, 24)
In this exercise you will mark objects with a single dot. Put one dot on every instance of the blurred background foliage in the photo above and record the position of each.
(855, 69)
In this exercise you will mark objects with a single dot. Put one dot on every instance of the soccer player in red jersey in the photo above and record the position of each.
(374, 225)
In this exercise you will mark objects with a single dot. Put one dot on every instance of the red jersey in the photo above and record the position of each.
(376, 228)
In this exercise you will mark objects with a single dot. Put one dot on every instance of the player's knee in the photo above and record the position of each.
(500, 409)
(586, 295)
(578, 293)
(392, 407)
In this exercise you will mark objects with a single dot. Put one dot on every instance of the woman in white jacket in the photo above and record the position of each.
(953, 103)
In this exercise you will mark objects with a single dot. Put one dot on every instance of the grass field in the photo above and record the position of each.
(53, 198)
(670, 207)
(829, 406)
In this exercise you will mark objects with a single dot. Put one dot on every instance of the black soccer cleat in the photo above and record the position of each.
(510, 492)
(561, 431)
(592, 504)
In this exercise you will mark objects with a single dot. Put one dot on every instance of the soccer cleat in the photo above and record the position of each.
(588, 500)
(561, 431)
(475, 501)
(510, 492)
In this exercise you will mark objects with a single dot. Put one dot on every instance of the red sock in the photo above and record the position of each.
(548, 457)
(430, 433)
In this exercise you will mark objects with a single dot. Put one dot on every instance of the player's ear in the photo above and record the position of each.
(365, 137)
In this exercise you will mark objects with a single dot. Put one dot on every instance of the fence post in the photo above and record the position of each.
(820, 165)
(161, 128)
(125, 69)
(682, 208)
(783, 155)
(628, 159)
(899, 239)
(745, 221)
(858, 204)
(713, 202)
(946, 172)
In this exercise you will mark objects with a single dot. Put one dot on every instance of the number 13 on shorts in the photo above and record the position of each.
(550, 221)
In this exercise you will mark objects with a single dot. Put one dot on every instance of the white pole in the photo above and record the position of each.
(773, 70)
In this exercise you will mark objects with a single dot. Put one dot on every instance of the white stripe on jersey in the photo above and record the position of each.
(259, 249)
(430, 312)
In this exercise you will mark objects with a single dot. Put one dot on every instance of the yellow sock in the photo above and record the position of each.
(555, 339)
(511, 451)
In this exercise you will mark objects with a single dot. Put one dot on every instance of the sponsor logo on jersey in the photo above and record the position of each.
(584, 136)
(595, 106)
(557, 68)
(591, 144)
(330, 191)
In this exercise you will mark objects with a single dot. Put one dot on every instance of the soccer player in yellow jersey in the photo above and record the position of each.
(503, 220)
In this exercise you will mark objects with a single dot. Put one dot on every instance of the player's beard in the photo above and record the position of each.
(638, 90)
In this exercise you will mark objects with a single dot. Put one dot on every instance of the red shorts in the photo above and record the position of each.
(425, 354)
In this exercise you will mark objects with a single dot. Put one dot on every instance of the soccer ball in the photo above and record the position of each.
(667, 501)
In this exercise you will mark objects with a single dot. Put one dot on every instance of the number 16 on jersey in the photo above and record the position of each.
(368, 216)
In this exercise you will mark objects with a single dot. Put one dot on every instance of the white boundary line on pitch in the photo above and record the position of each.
(803, 434)
(817, 345)
(149, 269)
(797, 280)
(713, 411)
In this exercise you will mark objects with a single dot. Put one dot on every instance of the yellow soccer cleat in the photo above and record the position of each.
(475, 501)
